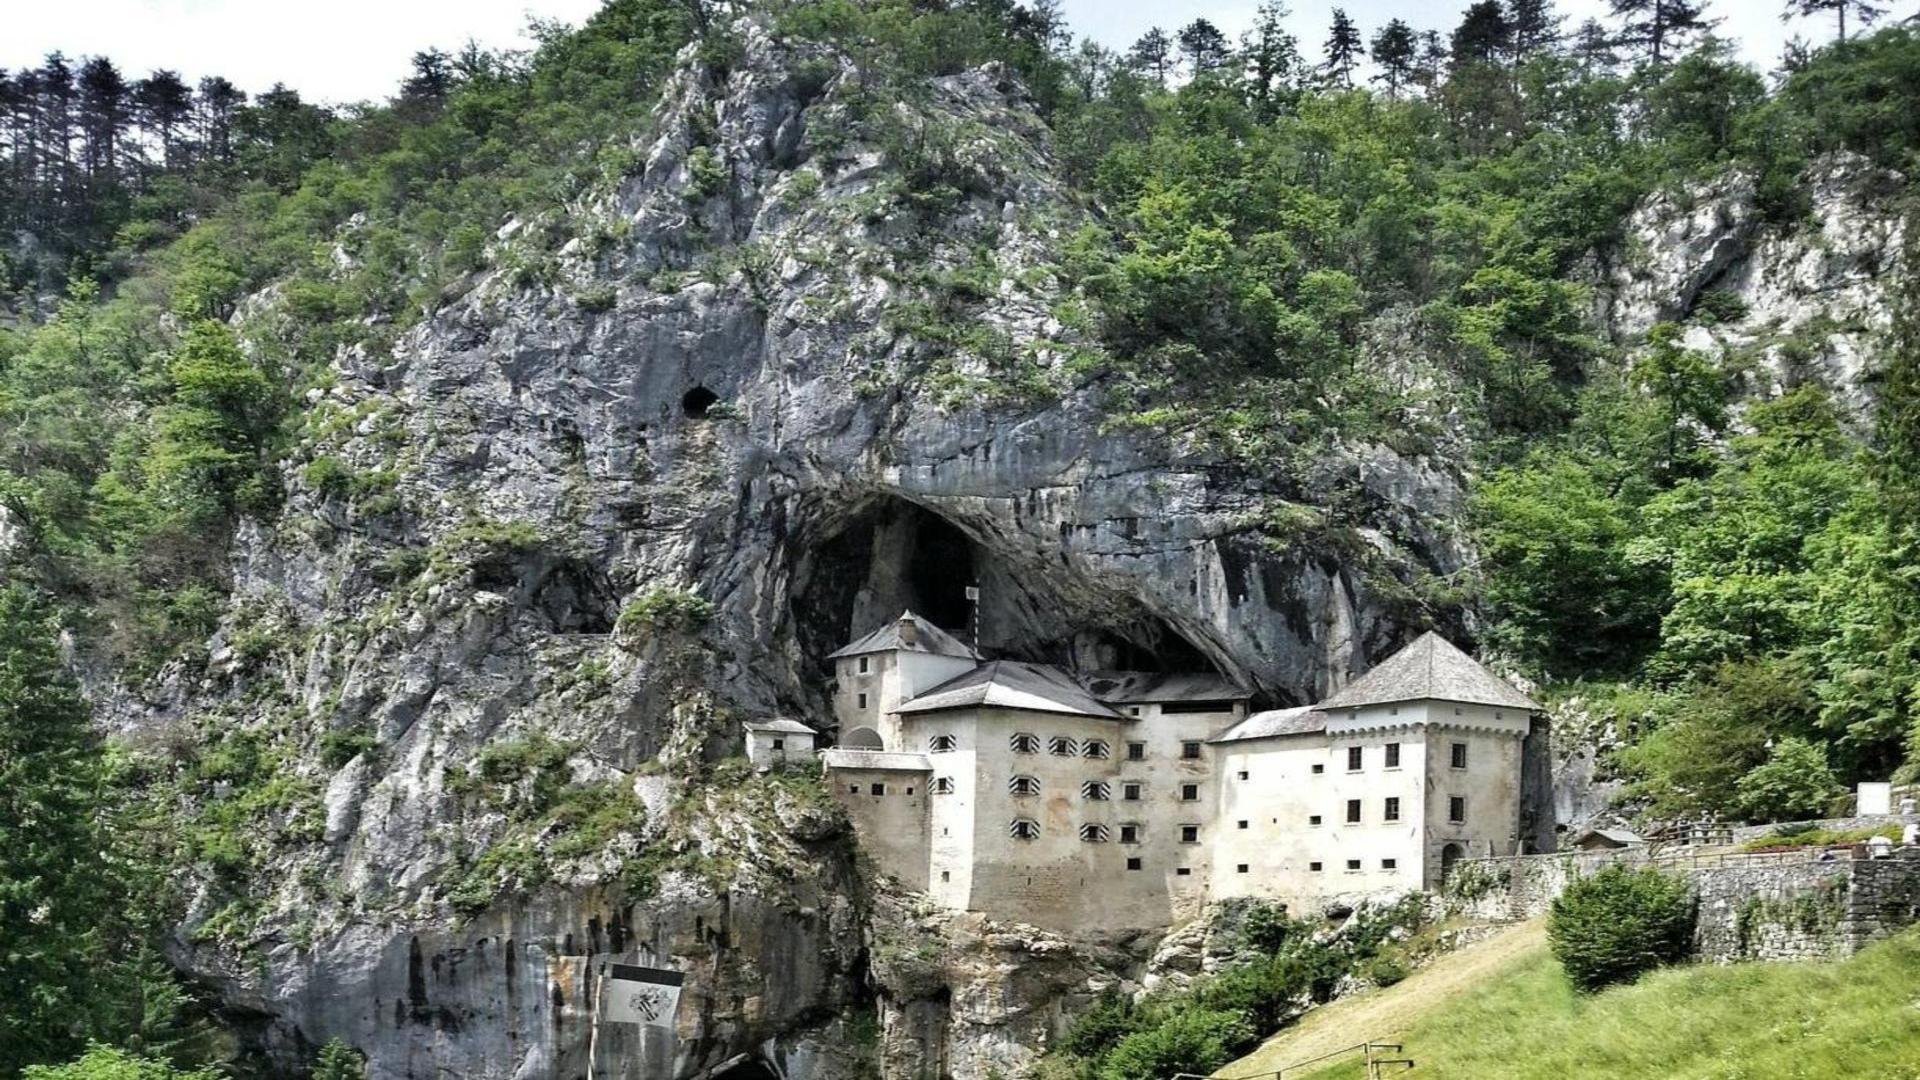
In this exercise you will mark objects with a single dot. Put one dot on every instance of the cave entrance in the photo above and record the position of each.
(887, 556)
(697, 401)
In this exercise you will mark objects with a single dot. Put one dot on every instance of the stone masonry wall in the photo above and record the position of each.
(1764, 906)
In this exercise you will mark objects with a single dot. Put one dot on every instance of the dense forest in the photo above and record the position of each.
(1725, 566)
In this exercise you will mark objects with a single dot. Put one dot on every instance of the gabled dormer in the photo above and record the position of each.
(890, 665)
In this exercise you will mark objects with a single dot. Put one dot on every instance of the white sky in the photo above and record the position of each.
(348, 50)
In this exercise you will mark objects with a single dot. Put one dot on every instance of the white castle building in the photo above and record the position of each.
(1109, 801)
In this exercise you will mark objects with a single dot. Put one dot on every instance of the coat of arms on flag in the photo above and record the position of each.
(640, 995)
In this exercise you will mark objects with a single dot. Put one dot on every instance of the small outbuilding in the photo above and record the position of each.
(1610, 839)
(779, 741)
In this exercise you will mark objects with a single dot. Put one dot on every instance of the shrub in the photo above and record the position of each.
(1795, 782)
(663, 610)
(1611, 927)
(108, 1063)
(339, 747)
(1101, 1027)
(1188, 1040)
(338, 1061)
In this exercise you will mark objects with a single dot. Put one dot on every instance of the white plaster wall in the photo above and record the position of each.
(1490, 782)
(891, 827)
(795, 747)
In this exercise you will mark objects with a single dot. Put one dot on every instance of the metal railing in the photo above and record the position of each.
(1372, 1051)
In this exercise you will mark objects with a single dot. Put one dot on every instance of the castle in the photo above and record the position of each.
(1115, 801)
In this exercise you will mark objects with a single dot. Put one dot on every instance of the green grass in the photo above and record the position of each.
(1857, 1019)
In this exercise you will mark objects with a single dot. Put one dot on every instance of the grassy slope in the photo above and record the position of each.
(1857, 1019)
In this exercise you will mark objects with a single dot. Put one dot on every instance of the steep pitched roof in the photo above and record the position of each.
(1153, 686)
(1430, 668)
(926, 638)
(780, 724)
(1011, 684)
(1301, 720)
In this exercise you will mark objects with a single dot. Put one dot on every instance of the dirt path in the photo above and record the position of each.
(1381, 1015)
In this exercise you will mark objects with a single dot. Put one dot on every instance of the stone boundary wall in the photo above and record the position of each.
(1791, 905)
(1744, 833)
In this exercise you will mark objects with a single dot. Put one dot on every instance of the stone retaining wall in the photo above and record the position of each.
(1765, 906)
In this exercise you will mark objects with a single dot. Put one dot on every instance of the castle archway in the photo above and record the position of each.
(1449, 855)
(863, 738)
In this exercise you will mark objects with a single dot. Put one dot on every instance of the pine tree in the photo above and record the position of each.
(1396, 50)
(1344, 48)
(1272, 54)
(1865, 12)
(1431, 68)
(165, 104)
(1656, 28)
(1593, 48)
(1153, 53)
(1535, 26)
(1204, 45)
(1484, 35)
(338, 1061)
(425, 91)
(216, 105)
(104, 117)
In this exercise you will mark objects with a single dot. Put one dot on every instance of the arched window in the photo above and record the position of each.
(1023, 785)
(1093, 834)
(1097, 749)
(1062, 746)
(940, 744)
(942, 785)
(1023, 743)
(1023, 829)
(1096, 790)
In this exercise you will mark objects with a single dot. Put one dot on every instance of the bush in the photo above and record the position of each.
(663, 610)
(1611, 927)
(1188, 1040)
(1794, 783)
(107, 1063)
(338, 1061)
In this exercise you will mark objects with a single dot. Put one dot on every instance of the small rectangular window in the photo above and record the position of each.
(1353, 864)
(1136, 751)
(941, 744)
(1319, 767)
(1130, 792)
(863, 665)
(1389, 864)
(1243, 774)
(1315, 867)
(909, 789)
(1353, 759)
(1313, 819)
(862, 702)
(1024, 743)
(1183, 872)
(1240, 869)
(1189, 834)
(779, 744)
(1353, 811)
(1392, 812)
(1459, 755)
(1096, 790)
(1456, 808)
(878, 789)
(1393, 755)
(1189, 750)
(853, 789)
(1129, 834)
(1242, 824)
(1133, 862)
(1063, 746)
(1189, 792)
(946, 875)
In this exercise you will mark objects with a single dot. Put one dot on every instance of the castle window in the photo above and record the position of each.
(1131, 792)
(1315, 867)
(1240, 869)
(1313, 819)
(1456, 808)
(1393, 755)
(1023, 785)
(853, 789)
(1393, 808)
(1096, 790)
(1024, 743)
(1190, 750)
(1189, 792)
(864, 662)
(1353, 811)
(1243, 774)
(909, 789)
(946, 875)
(1023, 829)
(1062, 746)
(1319, 767)
(1459, 755)
(1133, 862)
(1096, 748)
(1136, 751)
(878, 789)
(1389, 864)
(942, 785)
(1184, 871)
(779, 744)
(1189, 834)
(940, 744)
(1353, 759)
(861, 701)
(1353, 864)
(1093, 834)
(1243, 824)
(1129, 834)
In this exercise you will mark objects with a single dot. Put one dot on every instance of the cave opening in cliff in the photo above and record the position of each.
(697, 401)
(886, 557)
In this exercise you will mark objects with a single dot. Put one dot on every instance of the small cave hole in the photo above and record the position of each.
(695, 403)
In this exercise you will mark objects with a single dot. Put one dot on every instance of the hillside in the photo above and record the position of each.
(1855, 1018)
(399, 519)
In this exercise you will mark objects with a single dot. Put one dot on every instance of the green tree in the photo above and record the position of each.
(1153, 54)
(1795, 784)
(1619, 923)
(108, 1063)
(1344, 48)
(338, 1061)
(1865, 12)
(1689, 392)
(1396, 50)
(1658, 28)
(1188, 1040)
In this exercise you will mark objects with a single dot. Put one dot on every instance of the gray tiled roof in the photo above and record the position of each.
(1301, 720)
(842, 758)
(1430, 669)
(781, 724)
(1011, 684)
(928, 638)
(1153, 686)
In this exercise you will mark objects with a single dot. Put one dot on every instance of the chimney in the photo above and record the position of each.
(908, 632)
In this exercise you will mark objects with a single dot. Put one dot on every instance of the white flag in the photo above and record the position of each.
(640, 995)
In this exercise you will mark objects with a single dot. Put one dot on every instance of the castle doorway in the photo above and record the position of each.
(1448, 856)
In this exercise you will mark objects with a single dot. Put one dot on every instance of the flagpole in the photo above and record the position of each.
(593, 1025)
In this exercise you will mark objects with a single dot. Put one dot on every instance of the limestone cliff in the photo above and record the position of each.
(798, 367)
